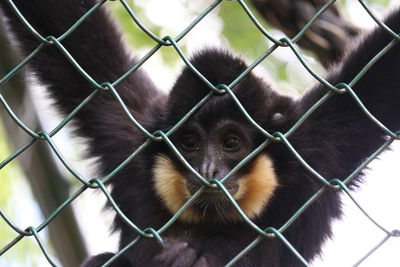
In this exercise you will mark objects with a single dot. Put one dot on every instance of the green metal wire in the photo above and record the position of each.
(42, 247)
(108, 87)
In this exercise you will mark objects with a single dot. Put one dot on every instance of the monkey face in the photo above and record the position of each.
(214, 150)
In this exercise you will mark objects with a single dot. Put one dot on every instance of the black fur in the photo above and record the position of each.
(100, 259)
(334, 140)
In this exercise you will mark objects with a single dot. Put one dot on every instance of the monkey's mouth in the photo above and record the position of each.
(214, 200)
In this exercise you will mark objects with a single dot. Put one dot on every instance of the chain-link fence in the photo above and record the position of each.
(160, 136)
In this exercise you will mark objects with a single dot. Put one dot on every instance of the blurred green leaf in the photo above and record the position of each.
(240, 31)
(135, 37)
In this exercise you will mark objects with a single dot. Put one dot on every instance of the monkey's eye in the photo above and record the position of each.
(189, 143)
(231, 143)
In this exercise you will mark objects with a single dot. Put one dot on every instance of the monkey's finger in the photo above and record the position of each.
(201, 262)
(171, 251)
(185, 258)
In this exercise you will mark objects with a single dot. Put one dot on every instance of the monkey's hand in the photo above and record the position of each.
(179, 254)
(100, 259)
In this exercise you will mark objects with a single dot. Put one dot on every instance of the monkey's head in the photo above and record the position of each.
(215, 139)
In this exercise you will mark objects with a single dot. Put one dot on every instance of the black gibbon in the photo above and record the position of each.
(270, 188)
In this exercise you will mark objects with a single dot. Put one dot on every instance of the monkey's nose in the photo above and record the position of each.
(208, 170)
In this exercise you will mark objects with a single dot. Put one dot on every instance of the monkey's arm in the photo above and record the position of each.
(96, 46)
(343, 136)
